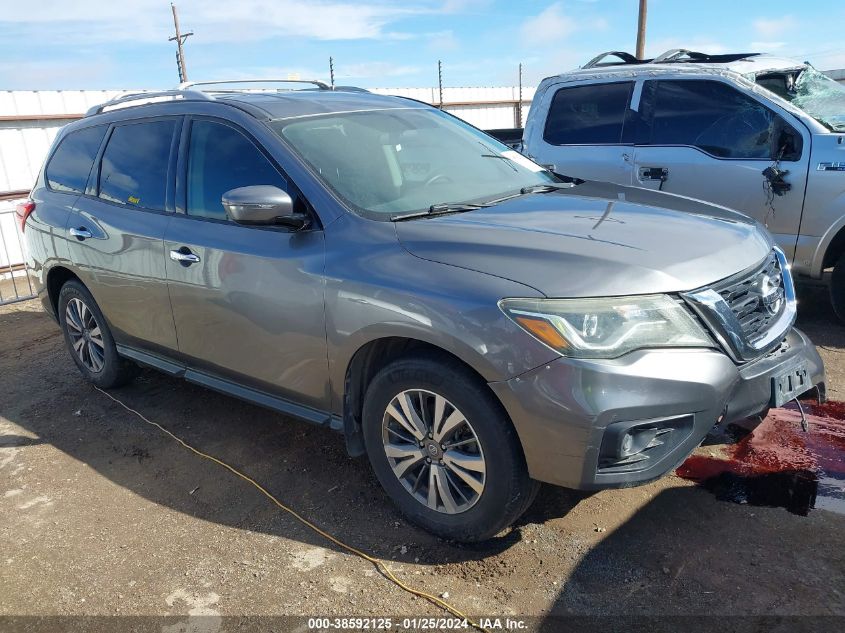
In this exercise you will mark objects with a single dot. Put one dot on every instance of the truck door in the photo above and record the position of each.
(582, 135)
(706, 139)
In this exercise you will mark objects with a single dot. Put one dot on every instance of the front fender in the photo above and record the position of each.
(384, 291)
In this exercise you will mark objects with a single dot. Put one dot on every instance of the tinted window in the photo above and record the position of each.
(714, 117)
(134, 168)
(588, 115)
(219, 159)
(70, 165)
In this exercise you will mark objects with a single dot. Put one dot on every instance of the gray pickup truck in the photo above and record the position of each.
(471, 322)
(760, 134)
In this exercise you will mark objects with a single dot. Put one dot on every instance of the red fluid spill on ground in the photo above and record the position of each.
(779, 444)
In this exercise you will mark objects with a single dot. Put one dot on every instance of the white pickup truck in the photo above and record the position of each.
(753, 132)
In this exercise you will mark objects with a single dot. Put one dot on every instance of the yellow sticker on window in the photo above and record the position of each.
(134, 200)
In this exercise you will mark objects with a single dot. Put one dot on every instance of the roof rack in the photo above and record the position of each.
(684, 55)
(191, 85)
(192, 95)
(188, 90)
(626, 58)
(675, 55)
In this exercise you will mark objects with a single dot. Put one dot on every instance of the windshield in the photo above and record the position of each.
(817, 94)
(402, 160)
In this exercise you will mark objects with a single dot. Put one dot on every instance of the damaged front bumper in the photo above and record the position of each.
(622, 422)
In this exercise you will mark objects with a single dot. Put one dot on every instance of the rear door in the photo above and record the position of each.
(250, 307)
(65, 179)
(583, 134)
(116, 231)
(705, 139)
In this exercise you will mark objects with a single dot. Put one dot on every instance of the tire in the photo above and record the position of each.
(89, 339)
(837, 288)
(498, 494)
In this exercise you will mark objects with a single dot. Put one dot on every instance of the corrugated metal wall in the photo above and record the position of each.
(29, 121)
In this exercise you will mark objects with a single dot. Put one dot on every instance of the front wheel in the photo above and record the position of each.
(837, 288)
(444, 450)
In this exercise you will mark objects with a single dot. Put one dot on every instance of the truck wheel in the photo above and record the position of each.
(837, 288)
(89, 338)
(444, 450)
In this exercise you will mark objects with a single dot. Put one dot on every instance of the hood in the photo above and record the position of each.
(596, 239)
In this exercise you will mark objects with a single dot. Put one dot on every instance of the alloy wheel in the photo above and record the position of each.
(433, 451)
(86, 337)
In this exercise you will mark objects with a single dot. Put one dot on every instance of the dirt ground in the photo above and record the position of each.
(101, 514)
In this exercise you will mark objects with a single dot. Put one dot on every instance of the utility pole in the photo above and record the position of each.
(519, 103)
(179, 38)
(641, 29)
(331, 71)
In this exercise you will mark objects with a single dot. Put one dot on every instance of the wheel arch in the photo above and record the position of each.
(369, 359)
(57, 277)
(832, 251)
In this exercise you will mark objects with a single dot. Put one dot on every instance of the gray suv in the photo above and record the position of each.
(472, 322)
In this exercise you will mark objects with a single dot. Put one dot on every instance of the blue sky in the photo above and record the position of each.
(55, 44)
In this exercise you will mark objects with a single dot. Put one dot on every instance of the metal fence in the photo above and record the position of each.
(15, 284)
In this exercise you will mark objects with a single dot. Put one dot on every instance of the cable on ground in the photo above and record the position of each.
(380, 565)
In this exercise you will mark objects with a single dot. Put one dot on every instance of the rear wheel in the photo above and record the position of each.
(89, 338)
(444, 450)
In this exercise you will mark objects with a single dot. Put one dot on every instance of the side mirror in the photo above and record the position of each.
(262, 205)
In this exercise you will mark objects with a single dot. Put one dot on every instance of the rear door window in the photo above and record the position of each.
(221, 158)
(588, 115)
(712, 116)
(135, 164)
(71, 163)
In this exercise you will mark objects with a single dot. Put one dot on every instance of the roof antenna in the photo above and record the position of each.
(179, 38)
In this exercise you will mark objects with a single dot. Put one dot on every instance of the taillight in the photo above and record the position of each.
(23, 211)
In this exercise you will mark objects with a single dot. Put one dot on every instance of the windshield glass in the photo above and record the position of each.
(402, 160)
(817, 94)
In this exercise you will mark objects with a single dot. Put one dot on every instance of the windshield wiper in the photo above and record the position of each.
(545, 188)
(438, 209)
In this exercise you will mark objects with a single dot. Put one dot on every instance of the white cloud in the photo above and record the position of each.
(770, 28)
(443, 41)
(765, 47)
(547, 27)
(151, 20)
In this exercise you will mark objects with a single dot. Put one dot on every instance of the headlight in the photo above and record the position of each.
(607, 327)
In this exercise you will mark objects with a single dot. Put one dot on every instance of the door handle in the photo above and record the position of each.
(654, 173)
(184, 256)
(81, 233)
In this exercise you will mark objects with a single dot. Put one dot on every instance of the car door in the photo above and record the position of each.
(583, 132)
(116, 231)
(705, 139)
(249, 307)
(65, 178)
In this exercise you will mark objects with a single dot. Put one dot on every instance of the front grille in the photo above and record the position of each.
(756, 300)
(751, 312)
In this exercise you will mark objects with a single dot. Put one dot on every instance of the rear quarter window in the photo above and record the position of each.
(71, 163)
